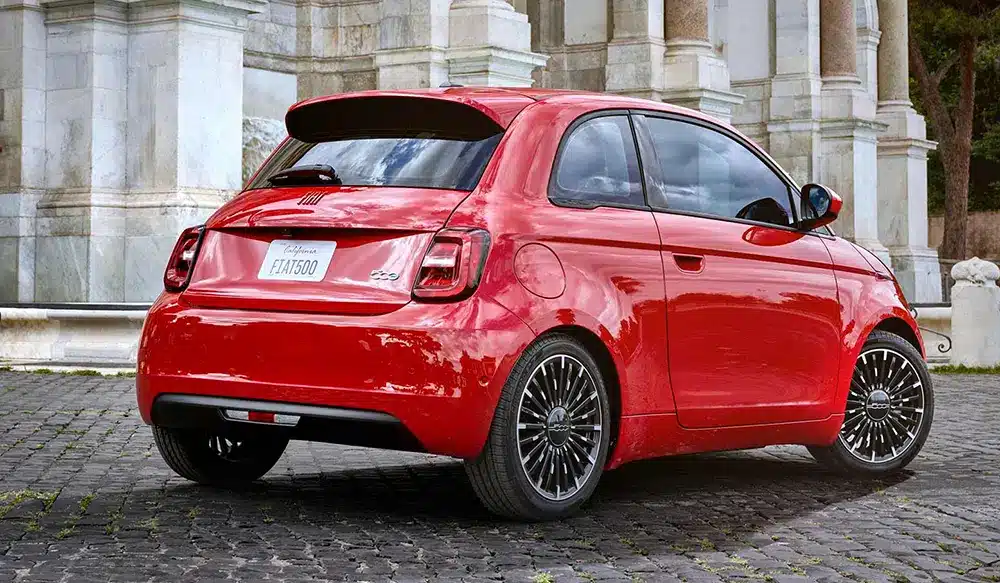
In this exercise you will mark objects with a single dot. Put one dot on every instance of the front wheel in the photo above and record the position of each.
(889, 410)
(218, 460)
(550, 434)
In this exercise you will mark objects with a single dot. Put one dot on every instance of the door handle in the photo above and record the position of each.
(689, 263)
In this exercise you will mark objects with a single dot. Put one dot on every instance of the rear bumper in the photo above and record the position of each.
(436, 369)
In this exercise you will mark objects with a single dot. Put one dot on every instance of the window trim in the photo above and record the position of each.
(552, 188)
(644, 142)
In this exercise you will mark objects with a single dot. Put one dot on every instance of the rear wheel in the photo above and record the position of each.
(889, 410)
(550, 434)
(217, 460)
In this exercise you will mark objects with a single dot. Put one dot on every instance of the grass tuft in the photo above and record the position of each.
(962, 369)
(43, 371)
(84, 372)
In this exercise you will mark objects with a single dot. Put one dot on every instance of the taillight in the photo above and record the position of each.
(181, 263)
(453, 264)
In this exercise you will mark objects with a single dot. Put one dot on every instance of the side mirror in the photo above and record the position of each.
(820, 206)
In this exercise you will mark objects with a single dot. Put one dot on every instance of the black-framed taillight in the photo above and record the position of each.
(453, 264)
(182, 258)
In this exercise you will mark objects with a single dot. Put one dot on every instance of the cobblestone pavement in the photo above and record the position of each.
(84, 496)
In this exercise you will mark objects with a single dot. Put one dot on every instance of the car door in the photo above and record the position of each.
(753, 321)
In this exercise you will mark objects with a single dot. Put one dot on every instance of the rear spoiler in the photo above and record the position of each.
(391, 115)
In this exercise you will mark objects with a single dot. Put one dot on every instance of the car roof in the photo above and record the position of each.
(502, 104)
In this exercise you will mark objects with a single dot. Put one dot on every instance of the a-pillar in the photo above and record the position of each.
(636, 49)
(185, 110)
(694, 75)
(412, 44)
(902, 164)
(848, 161)
(490, 44)
(22, 143)
(80, 221)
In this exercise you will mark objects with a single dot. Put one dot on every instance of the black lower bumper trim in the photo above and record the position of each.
(316, 423)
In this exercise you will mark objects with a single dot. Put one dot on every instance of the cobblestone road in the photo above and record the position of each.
(84, 496)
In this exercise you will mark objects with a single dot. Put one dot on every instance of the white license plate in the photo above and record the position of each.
(289, 260)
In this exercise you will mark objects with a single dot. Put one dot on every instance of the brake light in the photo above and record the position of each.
(453, 264)
(181, 263)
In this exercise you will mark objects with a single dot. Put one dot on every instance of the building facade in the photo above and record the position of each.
(124, 121)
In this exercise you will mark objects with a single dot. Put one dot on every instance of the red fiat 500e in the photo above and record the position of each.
(544, 284)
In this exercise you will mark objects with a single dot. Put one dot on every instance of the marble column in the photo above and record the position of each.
(490, 44)
(636, 49)
(184, 141)
(412, 44)
(80, 221)
(694, 75)
(848, 130)
(902, 164)
(22, 143)
(795, 104)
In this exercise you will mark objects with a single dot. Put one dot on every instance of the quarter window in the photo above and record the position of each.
(598, 164)
(704, 171)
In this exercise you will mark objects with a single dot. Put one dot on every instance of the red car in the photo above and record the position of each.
(544, 284)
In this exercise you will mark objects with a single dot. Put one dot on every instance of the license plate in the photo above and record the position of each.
(289, 260)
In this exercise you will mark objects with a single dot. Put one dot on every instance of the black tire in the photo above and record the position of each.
(499, 477)
(841, 456)
(196, 455)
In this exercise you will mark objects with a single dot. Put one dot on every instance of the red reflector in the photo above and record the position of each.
(260, 417)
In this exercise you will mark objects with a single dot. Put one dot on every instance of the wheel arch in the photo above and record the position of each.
(900, 328)
(608, 369)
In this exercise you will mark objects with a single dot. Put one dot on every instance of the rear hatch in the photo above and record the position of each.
(339, 217)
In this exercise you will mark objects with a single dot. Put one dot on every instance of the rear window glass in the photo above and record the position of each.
(417, 161)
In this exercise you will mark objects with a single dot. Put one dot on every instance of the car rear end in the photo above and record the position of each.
(332, 300)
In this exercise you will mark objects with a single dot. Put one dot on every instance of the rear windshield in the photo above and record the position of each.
(424, 161)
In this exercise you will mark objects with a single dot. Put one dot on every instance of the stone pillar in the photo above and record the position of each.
(975, 313)
(490, 44)
(184, 141)
(902, 164)
(412, 44)
(694, 75)
(848, 161)
(795, 105)
(635, 52)
(22, 143)
(80, 222)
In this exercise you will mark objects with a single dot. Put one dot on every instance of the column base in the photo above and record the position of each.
(918, 271)
(492, 66)
(418, 67)
(635, 67)
(694, 77)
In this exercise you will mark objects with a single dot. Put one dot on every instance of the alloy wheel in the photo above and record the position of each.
(885, 407)
(559, 425)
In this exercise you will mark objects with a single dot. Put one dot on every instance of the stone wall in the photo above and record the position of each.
(983, 234)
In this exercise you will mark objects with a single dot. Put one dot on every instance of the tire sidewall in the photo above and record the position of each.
(512, 456)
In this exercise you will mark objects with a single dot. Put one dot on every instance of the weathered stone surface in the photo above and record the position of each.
(261, 136)
(350, 514)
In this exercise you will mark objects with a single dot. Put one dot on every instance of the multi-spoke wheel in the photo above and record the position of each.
(549, 438)
(890, 406)
(218, 460)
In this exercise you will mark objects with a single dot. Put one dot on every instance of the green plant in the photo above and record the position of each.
(962, 369)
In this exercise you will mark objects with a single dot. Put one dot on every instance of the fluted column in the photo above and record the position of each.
(694, 75)
(848, 130)
(902, 163)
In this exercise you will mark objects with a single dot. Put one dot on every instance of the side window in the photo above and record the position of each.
(705, 171)
(598, 164)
